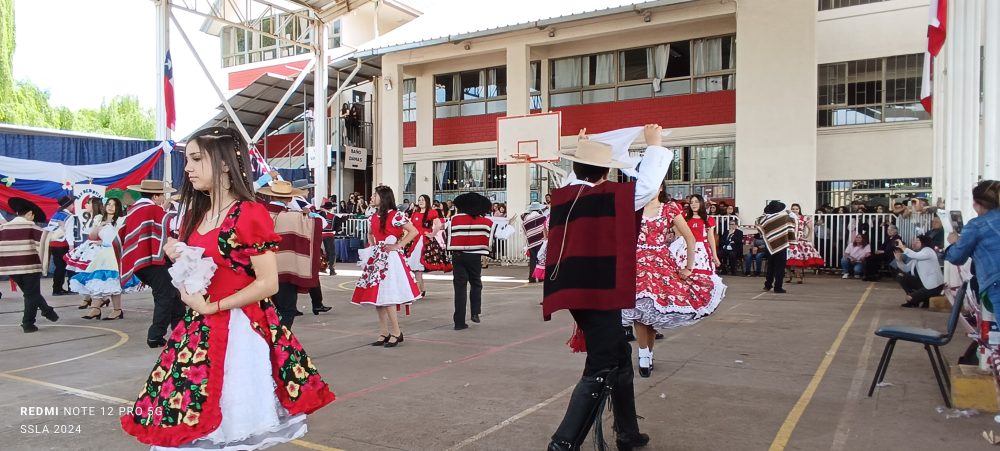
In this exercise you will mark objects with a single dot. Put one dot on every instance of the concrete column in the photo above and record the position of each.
(775, 105)
(391, 116)
(964, 25)
(425, 178)
(518, 76)
(321, 173)
(425, 112)
(991, 93)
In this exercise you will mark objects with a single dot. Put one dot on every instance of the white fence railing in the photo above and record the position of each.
(831, 233)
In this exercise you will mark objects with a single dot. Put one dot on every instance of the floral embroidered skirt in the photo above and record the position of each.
(231, 381)
(426, 255)
(385, 279)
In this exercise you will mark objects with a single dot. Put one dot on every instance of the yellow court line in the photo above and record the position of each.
(70, 390)
(122, 338)
(792, 420)
(315, 446)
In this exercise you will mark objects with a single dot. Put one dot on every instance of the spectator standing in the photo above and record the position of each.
(980, 239)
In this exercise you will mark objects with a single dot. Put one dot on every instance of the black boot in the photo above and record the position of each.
(623, 406)
(583, 410)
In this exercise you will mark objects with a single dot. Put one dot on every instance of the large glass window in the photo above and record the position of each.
(833, 4)
(870, 91)
(241, 46)
(535, 99)
(660, 70)
(471, 93)
(410, 181)
(483, 176)
(708, 170)
(410, 100)
(333, 40)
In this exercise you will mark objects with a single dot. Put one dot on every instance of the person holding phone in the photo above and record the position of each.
(980, 239)
(922, 277)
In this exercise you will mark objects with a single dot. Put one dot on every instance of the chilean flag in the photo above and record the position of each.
(936, 33)
(168, 91)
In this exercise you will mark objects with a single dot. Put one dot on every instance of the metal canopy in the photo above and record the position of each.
(255, 102)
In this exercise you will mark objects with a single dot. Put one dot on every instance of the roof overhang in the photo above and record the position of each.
(254, 103)
(390, 43)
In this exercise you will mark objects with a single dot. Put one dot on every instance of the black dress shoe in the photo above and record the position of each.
(60, 293)
(392, 342)
(51, 315)
(645, 372)
(658, 336)
(629, 443)
(156, 343)
(767, 288)
(461, 326)
(908, 305)
(780, 290)
(318, 310)
(298, 313)
(475, 318)
(29, 328)
(381, 340)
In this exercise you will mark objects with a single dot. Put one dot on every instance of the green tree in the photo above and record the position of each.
(6, 49)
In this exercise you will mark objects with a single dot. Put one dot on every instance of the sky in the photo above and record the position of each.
(84, 52)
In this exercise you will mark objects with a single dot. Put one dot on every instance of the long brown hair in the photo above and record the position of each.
(387, 202)
(224, 147)
(702, 211)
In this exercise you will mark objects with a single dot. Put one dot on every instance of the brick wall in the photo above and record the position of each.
(671, 112)
(409, 134)
(467, 129)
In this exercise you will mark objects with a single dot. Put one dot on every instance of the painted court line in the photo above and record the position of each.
(842, 434)
(511, 420)
(792, 420)
(122, 338)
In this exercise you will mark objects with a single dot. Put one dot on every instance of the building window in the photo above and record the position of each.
(410, 100)
(483, 176)
(241, 46)
(535, 94)
(708, 170)
(333, 40)
(870, 91)
(470, 93)
(834, 4)
(872, 192)
(660, 70)
(410, 181)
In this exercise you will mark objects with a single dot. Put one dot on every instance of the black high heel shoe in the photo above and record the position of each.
(318, 310)
(393, 344)
(382, 340)
(96, 316)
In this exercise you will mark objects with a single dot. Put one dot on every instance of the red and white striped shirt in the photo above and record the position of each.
(470, 235)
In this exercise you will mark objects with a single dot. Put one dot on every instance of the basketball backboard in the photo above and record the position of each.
(528, 139)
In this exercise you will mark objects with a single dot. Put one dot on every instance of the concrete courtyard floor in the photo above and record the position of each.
(766, 371)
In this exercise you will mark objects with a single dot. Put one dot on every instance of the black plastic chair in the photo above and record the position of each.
(930, 338)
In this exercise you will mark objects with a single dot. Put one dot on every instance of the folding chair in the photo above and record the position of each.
(930, 338)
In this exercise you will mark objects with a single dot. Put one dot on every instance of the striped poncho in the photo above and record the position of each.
(23, 248)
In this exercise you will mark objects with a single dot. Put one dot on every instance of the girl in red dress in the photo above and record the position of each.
(230, 376)
(386, 280)
(425, 253)
(801, 252)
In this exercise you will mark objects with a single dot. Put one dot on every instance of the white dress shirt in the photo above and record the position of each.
(924, 264)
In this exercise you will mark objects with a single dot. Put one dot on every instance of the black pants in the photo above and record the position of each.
(331, 252)
(776, 270)
(468, 270)
(532, 260)
(30, 285)
(731, 260)
(59, 276)
(316, 295)
(607, 348)
(915, 288)
(285, 301)
(168, 309)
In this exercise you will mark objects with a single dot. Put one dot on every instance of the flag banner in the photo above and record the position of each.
(936, 33)
(168, 91)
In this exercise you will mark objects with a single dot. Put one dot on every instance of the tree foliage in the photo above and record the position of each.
(23, 103)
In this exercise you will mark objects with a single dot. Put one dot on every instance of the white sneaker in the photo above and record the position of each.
(846, 276)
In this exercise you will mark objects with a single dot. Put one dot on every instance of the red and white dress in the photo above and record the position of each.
(385, 279)
(426, 254)
(233, 380)
(702, 252)
(801, 252)
(662, 299)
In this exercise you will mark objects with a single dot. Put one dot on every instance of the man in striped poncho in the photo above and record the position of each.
(24, 257)
(778, 230)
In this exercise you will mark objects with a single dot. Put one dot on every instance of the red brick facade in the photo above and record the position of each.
(671, 112)
(409, 134)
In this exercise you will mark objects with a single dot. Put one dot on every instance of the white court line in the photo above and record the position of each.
(512, 419)
(498, 279)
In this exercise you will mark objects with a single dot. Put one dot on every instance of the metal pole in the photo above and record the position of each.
(991, 93)
(162, 45)
(320, 80)
(338, 141)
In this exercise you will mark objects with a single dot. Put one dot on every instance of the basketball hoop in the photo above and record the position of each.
(528, 139)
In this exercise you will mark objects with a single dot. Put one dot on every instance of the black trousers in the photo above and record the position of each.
(168, 309)
(30, 285)
(284, 301)
(607, 348)
(731, 260)
(316, 295)
(468, 270)
(59, 276)
(331, 252)
(532, 260)
(915, 288)
(776, 270)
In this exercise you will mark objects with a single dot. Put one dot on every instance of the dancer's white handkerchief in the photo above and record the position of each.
(620, 140)
(191, 271)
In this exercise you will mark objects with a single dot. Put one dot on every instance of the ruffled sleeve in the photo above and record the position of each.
(670, 210)
(711, 222)
(255, 229)
(399, 219)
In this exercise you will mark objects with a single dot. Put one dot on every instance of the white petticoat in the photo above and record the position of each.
(415, 256)
(252, 417)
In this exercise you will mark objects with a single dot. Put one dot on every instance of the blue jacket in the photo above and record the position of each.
(981, 240)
